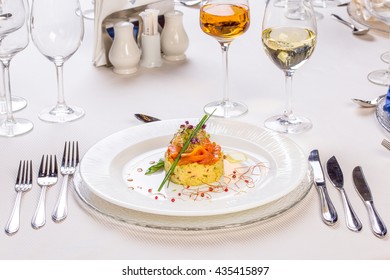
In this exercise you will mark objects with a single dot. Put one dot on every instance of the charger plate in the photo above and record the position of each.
(96, 205)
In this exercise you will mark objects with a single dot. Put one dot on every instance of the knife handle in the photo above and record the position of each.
(351, 219)
(329, 214)
(377, 225)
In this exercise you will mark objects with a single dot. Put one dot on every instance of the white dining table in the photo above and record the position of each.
(322, 91)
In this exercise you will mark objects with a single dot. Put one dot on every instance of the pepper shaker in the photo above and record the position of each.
(124, 54)
(174, 39)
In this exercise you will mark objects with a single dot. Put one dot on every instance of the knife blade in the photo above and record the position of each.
(146, 118)
(336, 177)
(328, 211)
(377, 225)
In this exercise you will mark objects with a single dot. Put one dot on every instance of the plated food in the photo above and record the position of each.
(201, 163)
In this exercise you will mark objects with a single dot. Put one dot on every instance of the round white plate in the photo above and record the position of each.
(113, 169)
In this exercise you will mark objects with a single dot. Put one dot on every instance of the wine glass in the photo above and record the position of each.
(289, 44)
(225, 20)
(380, 9)
(13, 39)
(57, 30)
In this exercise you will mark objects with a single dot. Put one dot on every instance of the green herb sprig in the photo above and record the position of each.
(155, 167)
(185, 146)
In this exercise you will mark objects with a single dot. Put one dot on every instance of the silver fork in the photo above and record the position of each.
(385, 143)
(23, 184)
(47, 177)
(70, 160)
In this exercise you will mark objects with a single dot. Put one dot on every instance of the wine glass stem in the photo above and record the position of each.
(7, 90)
(60, 84)
(288, 84)
(225, 49)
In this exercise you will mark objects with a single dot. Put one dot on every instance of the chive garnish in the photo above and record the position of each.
(185, 147)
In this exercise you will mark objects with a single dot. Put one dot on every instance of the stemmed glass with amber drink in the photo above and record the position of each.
(225, 20)
(289, 43)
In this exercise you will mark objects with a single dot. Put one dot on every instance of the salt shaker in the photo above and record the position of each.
(174, 39)
(124, 54)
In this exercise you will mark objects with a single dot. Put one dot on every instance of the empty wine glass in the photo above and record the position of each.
(289, 44)
(380, 9)
(225, 20)
(13, 39)
(57, 30)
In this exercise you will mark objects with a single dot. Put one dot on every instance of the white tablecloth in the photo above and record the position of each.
(323, 89)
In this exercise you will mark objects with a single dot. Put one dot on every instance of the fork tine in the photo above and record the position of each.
(47, 166)
(19, 172)
(30, 179)
(24, 173)
(68, 160)
(55, 166)
(63, 156)
(77, 152)
(72, 158)
(40, 172)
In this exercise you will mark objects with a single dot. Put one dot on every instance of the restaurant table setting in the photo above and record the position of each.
(307, 186)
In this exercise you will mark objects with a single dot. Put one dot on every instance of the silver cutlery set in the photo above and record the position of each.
(47, 177)
(335, 175)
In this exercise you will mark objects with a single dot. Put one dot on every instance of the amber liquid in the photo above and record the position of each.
(224, 21)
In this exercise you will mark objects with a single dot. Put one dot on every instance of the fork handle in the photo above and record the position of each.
(61, 208)
(39, 218)
(13, 223)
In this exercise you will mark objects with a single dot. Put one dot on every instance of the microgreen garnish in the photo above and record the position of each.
(199, 126)
(155, 167)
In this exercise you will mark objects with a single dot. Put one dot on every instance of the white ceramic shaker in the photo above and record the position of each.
(124, 54)
(174, 39)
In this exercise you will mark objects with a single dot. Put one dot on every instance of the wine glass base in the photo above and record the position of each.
(15, 128)
(61, 115)
(226, 109)
(18, 103)
(385, 57)
(379, 77)
(292, 125)
(325, 3)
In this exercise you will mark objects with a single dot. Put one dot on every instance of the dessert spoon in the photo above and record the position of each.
(367, 103)
(355, 30)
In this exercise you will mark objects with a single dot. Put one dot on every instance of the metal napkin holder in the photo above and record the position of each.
(109, 12)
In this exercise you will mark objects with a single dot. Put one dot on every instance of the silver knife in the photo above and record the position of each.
(377, 225)
(336, 177)
(329, 214)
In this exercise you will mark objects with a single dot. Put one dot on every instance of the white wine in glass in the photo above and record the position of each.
(289, 43)
(225, 20)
